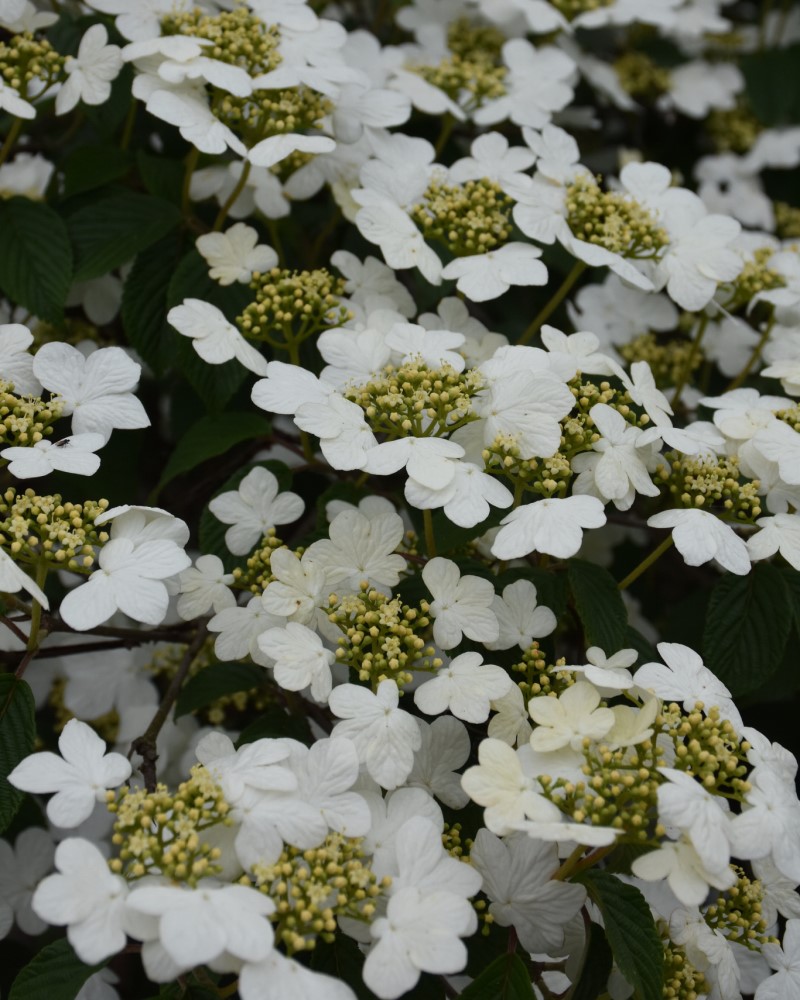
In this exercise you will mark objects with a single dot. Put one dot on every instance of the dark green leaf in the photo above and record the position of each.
(343, 960)
(599, 605)
(212, 531)
(791, 577)
(748, 623)
(635, 640)
(212, 435)
(56, 973)
(596, 967)
(17, 736)
(113, 229)
(91, 167)
(144, 304)
(162, 176)
(216, 680)
(274, 723)
(630, 930)
(505, 979)
(35, 257)
(773, 85)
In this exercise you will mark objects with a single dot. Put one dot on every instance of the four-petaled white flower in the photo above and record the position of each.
(300, 659)
(213, 337)
(254, 508)
(79, 777)
(235, 254)
(74, 454)
(466, 686)
(90, 73)
(552, 525)
(567, 720)
(461, 605)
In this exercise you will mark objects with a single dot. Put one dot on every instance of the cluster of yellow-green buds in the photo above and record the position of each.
(738, 913)
(469, 218)
(473, 72)
(707, 747)
(291, 306)
(313, 888)
(164, 833)
(682, 980)
(25, 420)
(382, 638)
(714, 483)
(541, 678)
(572, 8)
(257, 573)
(26, 60)
(733, 130)
(613, 220)
(238, 37)
(35, 528)
(756, 276)
(670, 358)
(641, 77)
(414, 400)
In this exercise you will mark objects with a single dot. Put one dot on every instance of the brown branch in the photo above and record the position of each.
(9, 624)
(145, 745)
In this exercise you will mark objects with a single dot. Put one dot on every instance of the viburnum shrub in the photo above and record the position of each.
(399, 499)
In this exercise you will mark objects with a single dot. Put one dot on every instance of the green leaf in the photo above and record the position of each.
(773, 85)
(162, 176)
(505, 979)
(56, 973)
(748, 623)
(113, 229)
(35, 257)
(791, 578)
(91, 167)
(144, 304)
(275, 723)
(212, 531)
(596, 967)
(17, 736)
(599, 605)
(630, 930)
(214, 434)
(215, 681)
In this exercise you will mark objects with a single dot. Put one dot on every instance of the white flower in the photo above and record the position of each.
(90, 73)
(785, 959)
(509, 795)
(385, 736)
(298, 588)
(361, 547)
(511, 724)
(445, 747)
(11, 102)
(420, 933)
(300, 659)
(569, 719)
(461, 604)
(87, 897)
(239, 629)
(79, 777)
(204, 586)
(683, 870)
(700, 536)
(685, 804)
(13, 579)
(213, 337)
(538, 84)
(194, 119)
(771, 822)
(466, 686)
(275, 148)
(489, 275)
(466, 498)
(235, 254)
(71, 454)
(517, 877)
(608, 671)
(16, 363)
(277, 977)
(780, 443)
(434, 347)
(95, 390)
(686, 679)
(254, 508)
(493, 158)
(421, 457)
(519, 618)
(777, 534)
(258, 767)
(525, 406)
(22, 867)
(130, 578)
(552, 525)
(201, 925)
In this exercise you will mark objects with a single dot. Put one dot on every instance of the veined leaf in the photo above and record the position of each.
(56, 973)
(17, 736)
(599, 605)
(35, 257)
